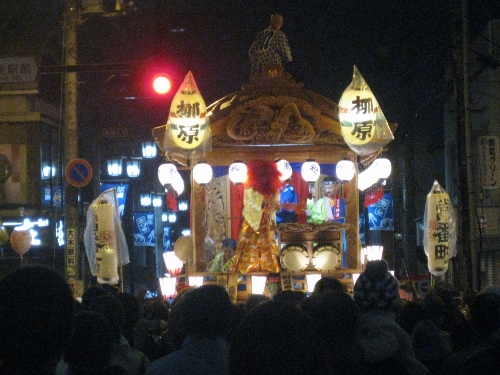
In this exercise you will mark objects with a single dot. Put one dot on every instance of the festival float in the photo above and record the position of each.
(309, 137)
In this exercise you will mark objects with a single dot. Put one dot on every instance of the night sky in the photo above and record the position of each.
(402, 48)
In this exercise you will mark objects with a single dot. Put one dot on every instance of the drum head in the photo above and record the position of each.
(327, 258)
(294, 258)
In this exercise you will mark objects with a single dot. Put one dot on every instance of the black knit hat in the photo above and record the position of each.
(376, 287)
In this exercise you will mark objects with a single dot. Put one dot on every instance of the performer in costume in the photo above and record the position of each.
(225, 259)
(310, 202)
(288, 202)
(257, 249)
(270, 48)
(330, 208)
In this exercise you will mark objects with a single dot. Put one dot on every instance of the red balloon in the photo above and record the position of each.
(21, 241)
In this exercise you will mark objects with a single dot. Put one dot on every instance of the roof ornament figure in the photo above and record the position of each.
(269, 49)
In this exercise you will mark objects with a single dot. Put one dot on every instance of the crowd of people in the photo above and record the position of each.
(332, 331)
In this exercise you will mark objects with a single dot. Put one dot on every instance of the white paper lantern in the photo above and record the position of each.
(238, 172)
(145, 199)
(133, 168)
(383, 168)
(370, 253)
(173, 264)
(168, 286)
(178, 184)
(195, 281)
(167, 173)
(285, 168)
(367, 178)
(310, 171)
(202, 173)
(114, 167)
(345, 170)
(149, 150)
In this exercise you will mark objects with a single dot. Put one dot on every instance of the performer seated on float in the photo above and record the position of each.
(224, 260)
(310, 200)
(330, 208)
(288, 201)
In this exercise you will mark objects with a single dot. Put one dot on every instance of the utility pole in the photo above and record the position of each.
(71, 212)
(464, 279)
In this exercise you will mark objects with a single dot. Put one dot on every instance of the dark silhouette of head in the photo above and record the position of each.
(329, 283)
(36, 310)
(90, 294)
(275, 338)
(132, 313)
(376, 288)
(254, 300)
(335, 316)
(112, 309)
(89, 350)
(292, 297)
(485, 313)
(203, 312)
(411, 313)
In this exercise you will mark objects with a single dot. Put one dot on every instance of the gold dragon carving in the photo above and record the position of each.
(273, 120)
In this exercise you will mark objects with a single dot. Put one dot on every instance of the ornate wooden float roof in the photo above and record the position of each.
(276, 117)
(271, 117)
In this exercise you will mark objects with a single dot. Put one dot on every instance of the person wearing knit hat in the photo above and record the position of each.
(385, 347)
(376, 287)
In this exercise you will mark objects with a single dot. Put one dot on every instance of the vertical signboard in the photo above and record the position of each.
(488, 161)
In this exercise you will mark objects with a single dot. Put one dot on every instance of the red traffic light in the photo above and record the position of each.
(161, 84)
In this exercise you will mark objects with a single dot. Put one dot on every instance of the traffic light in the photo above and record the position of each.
(156, 78)
(152, 80)
(162, 84)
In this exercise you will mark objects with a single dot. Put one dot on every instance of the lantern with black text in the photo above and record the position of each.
(310, 171)
(238, 172)
(106, 247)
(363, 125)
(188, 115)
(285, 169)
(439, 230)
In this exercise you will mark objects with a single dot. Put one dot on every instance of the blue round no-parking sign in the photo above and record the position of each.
(79, 172)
